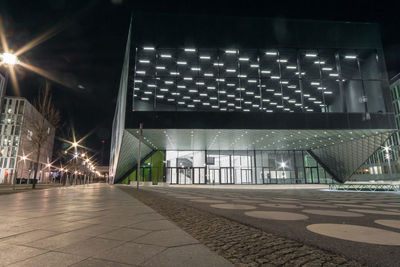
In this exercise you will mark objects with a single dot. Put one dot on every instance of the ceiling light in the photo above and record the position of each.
(311, 55)
(208, 74)
(190, 50)
(144, 61)
(148, 48)
(181, 62)
(218, 64)
(195, 69)
(281, 60)
(230, 51)
(205, 57)
(291, 67)
(271, 53)
(142, 72)
(230, 70)
(350, 56)
(254, 66)
(251, 81)
(244, 59)
(165, 56)
(160, 67)
(327, 68)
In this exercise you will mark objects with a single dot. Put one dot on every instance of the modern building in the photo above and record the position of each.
(18, 121)
(384, 164)
(227, 100)
(3, 84)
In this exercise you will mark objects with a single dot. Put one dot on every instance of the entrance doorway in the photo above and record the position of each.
(267, 176)
(213, 176)
(312, 175)
(185, 175)
(226, 175)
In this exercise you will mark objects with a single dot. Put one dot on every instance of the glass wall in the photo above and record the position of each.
(243, 167)
(267, 80)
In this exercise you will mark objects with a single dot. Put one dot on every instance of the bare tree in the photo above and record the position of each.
(39, 125)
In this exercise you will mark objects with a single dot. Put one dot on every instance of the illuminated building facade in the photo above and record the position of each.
(17, 152)
(249, 101)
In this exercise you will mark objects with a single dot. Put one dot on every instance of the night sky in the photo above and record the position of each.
(87, 51)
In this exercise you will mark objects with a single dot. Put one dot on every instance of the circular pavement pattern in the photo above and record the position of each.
(246, 201)
(383, 205)
(283, 206)
(318, 205)
(356, 233)
(207, 201)
(355, 206)
(377, 212)
(276, 215)
(336, 213)
(233, 206)
(389, 223)
(190, 197)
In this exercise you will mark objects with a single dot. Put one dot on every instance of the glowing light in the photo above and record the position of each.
(9, 59)
(74, 144)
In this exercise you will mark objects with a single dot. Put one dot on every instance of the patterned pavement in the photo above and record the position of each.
(359, 225)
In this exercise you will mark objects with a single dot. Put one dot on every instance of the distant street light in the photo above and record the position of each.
(74, 144)
(9, 59)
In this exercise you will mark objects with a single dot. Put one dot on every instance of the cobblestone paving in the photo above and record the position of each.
(241, 244)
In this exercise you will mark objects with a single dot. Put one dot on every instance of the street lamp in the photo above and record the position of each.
(9, 59)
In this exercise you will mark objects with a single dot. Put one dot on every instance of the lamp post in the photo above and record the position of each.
(388, 157)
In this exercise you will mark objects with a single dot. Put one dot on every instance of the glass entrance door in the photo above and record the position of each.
(198, 175)
(245, 176)
(226, 175)
(267, 178)
(213, 176)
(312, 175)
(185, 175)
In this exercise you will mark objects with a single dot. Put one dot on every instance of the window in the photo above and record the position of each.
(29, 135)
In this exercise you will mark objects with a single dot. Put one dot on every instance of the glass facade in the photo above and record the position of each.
(243, 167)
(11, 117)
(268, 80)
(378, 163)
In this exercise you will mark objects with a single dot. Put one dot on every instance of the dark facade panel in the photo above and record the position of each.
(244, 120)
(219, 31)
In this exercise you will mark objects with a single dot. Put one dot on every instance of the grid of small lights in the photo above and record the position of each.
(255, 139)
(236, 80)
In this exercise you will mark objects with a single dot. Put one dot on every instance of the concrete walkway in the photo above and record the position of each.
(92, 225)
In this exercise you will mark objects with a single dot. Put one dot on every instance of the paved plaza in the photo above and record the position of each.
(104, 225)
(92, 225)
(361, 226)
